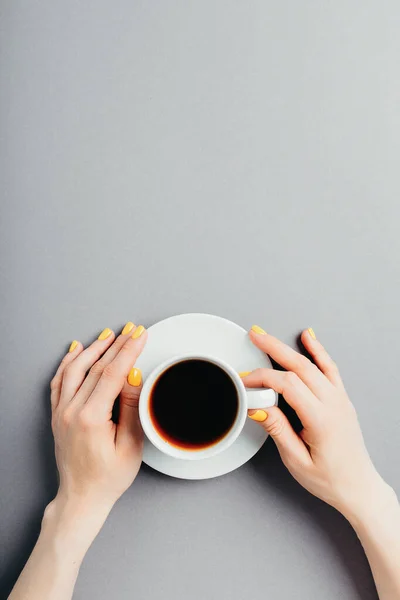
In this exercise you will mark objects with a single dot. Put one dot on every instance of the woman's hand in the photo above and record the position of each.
(328, 457)
(96, 458)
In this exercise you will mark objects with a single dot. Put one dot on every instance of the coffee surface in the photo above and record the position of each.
(193, 404)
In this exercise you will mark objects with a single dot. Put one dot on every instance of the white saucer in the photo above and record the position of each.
(200, 333)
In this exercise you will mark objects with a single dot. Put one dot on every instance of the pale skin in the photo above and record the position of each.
(98, 460)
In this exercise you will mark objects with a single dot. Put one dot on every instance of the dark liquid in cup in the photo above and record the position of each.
(193, 404)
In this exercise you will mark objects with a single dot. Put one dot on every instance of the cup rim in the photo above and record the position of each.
(180, 453)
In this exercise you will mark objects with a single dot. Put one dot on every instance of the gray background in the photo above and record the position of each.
(237, 158)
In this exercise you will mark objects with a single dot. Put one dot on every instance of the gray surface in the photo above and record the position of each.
(237, 158)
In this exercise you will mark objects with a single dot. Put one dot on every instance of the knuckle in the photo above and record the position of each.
(303, 363)
(66, 417)
(109, 371)
(69, 370)
(120, 342)
(320, 357)
(332, 367)
(85, 419)
(97, 368)
(292, 379)
(314, 369)
(55, 384)
(130, 396)
(126, 349)
(275, 427)
(262, 371)
(53, 422)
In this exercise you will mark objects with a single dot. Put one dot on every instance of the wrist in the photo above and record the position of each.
(70, 524)
(375, 500)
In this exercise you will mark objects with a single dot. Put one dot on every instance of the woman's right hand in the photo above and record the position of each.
(328, 457)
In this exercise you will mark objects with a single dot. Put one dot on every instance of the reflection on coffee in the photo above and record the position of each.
(193, 404)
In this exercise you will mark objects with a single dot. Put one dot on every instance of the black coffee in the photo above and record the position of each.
(193, 404)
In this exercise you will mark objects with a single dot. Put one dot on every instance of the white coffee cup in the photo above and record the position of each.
(247, 398)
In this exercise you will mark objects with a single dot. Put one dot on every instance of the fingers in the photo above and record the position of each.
(98, 367)
(114, 375)
(56, 383)
(322, 359)
(292, 388)
(292, 449)
(129, 430)
(292, 361)
(75, 372)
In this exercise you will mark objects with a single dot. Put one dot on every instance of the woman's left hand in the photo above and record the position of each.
(98, 459)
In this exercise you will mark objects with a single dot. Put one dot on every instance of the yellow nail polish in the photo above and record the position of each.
(244, 373)
(259, 416)
(312, 333)
(128, 328)
(138, 332)
(258, 330)
(135, 377)
(105, 334)
(73, 346)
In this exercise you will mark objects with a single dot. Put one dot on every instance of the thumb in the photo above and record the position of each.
(129, 427)
(290, 446)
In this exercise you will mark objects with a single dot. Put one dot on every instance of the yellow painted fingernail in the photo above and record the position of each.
(244, 373)
(259, 416)
(73, 346)
(138, 332)
(258, 330)
(105, 334)
(312, 333)
(128, 328)
(135, 377)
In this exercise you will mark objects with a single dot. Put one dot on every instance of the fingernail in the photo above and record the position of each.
(259, 416)
(105, 333)
(73, 346)
(138, 332)
(258, 330)
(128, 328)
(244, 373)
(135, 377)
(312, 333)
